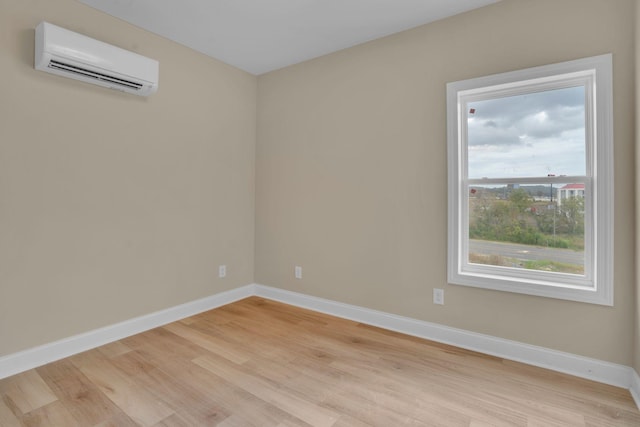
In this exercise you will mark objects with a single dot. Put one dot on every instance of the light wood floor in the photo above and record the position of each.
(262, 363)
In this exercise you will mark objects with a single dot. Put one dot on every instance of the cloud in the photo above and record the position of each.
(528, 135)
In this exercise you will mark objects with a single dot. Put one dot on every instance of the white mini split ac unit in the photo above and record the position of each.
(65, 53)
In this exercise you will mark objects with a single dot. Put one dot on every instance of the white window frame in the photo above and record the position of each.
(596, 286)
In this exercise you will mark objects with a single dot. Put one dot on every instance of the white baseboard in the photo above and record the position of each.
(635, 387)
(28, 359)
(579, 366)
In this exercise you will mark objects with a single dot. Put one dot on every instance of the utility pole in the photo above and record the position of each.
(553, 206)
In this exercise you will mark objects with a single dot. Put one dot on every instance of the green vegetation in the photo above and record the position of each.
(518, 218)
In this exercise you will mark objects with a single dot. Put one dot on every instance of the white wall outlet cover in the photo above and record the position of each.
(438, 296)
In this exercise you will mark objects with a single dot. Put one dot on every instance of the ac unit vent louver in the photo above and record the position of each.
(65, 53)
(91, 74)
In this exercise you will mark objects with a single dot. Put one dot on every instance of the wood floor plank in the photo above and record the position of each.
(208, 342)
(261, 363)
(174, 421)
(80, 396)
(189, 404)
(294, 405)
(7, 417)
(53, 414)
(165, 343)
(137, 402)
(347, 421)
(244, 407)
(27, 391)
(240, 336)
(240, 421)
(322, 383)
(120, 420)
(114, 349)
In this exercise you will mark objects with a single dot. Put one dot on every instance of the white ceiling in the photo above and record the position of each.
(263, 35)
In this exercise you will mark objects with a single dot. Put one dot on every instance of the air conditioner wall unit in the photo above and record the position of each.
(68, 54)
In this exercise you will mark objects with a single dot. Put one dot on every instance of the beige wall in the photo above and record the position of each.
(113, 205)
(351, 171)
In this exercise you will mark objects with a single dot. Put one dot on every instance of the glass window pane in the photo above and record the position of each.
(528, 135)
(528, 226)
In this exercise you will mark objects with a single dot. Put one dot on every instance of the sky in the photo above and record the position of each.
(530, 135)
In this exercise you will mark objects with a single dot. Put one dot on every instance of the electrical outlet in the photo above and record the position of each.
(222, 271)
(438, 296)
(298, 272)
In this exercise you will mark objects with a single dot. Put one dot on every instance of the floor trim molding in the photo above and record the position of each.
(32, 358)
(634, 389)
(579, 366)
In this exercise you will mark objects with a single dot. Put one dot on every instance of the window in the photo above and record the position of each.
(530, 177)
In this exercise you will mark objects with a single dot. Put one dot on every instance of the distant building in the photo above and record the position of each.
(569, 191)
